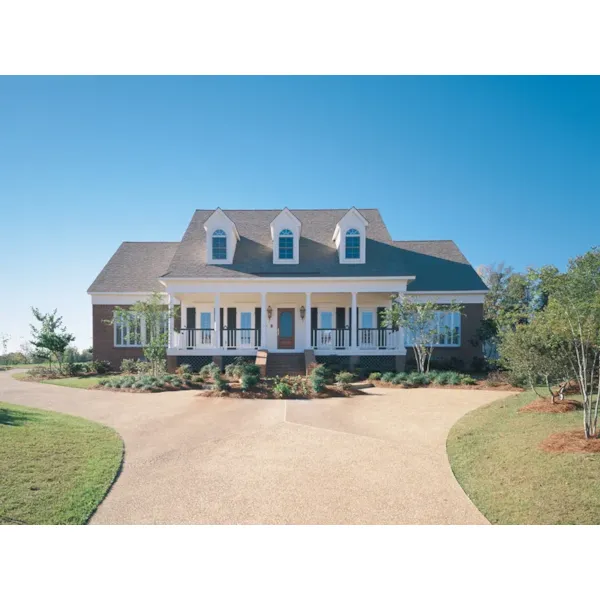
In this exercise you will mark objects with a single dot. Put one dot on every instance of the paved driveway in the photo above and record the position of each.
(374, 459)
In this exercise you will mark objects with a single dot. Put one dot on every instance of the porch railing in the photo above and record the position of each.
(192, 339)
(330, 339)
(377, 339)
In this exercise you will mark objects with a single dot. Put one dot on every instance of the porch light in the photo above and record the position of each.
(302, 312)
(269, 312)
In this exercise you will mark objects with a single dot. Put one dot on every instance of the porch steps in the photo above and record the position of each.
(280, 364)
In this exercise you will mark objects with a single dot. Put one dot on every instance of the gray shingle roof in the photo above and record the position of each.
(437, 265)
(135, 267)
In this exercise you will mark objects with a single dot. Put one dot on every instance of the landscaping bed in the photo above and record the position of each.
(55, 468)
(545, 405)
(525, 467)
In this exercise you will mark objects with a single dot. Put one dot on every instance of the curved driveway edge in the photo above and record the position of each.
(373, 459)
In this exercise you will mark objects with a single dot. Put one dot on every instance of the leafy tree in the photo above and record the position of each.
(50, 337)
(418, 319)
(4, 339)
(149, 318)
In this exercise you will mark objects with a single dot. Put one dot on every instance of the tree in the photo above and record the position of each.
(420, 323)
(50, 338)
(563, 339)
(4, 339)
(507, 304)
(147, 322)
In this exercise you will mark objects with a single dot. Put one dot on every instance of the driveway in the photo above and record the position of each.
(373, 459)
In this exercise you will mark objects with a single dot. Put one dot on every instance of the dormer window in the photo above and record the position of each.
(352, 244)
(219, 245)
(286, 245)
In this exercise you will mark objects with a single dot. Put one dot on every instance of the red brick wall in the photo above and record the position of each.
(103, 339)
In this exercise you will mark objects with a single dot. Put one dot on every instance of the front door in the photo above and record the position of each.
(285, 328)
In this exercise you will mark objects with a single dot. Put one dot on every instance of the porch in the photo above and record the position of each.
(337, 323)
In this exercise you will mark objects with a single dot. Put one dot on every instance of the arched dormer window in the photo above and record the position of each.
(219, 245)
(286, 245)
(352, 244)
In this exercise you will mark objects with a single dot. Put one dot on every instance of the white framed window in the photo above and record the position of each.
(447, 327)
(367, 319)
(352, 244)
(205, 320)
(131, 330)
(286, 245)
(219, 245)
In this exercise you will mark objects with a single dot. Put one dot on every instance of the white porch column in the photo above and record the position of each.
(400, 339)
(171, 322)
(263, 319)
(217, 340)
(354, 321)
(307, 322)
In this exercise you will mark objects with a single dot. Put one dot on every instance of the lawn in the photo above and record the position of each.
(19, 366)
(494, 455)
(55, 468)
(85, 382)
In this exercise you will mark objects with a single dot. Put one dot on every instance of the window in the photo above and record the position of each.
(286, 245)
(447, 330)
(245, 326)
(219, 245)
(132, 330)
(352, 244)
(205, 320)
(366, 319)
(326, 320)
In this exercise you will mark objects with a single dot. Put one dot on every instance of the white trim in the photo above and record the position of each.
(322, 278)
(470, 297)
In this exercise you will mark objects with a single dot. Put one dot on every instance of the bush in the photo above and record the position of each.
(100, 366)
(468, 380)
(343, 379)
(318, 378)
(282, 390)
(252, 369)
(183, 369)
(128, 365)
(219, 384)
(454, 378)
(143, 367)
(418, 379)
(441, 378)
(400, 378)
(210, 371)
(388, 377)
(72, 368)
(375, 376)
(248, 381)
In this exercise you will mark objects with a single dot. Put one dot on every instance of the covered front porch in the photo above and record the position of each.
(328, 323)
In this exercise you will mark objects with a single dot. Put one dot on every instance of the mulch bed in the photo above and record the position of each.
(544, 405)
(480, 385)
(266, 393)
(166, 388)
(570, 441)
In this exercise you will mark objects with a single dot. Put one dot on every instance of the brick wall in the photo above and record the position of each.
(103, 340)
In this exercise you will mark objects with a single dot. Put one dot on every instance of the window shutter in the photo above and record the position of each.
(231, 326)
(314, 323)
(257, 326)
(190, 315)
(222, 324)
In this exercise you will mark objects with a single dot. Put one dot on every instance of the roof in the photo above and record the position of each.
(436, 265)
(135, 267)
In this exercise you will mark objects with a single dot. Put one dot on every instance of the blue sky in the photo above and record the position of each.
(507, 167)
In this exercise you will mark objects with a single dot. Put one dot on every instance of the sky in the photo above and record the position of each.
(507, 167)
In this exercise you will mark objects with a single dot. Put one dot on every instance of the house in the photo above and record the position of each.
(289, 287)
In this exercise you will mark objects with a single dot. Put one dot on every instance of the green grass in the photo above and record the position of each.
(55, 468)
(84, 382)
(493, 453)
(19, 366)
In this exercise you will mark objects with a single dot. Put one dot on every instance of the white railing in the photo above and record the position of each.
(378, 339)
(330, 339)
(198, 339)
(188, 339)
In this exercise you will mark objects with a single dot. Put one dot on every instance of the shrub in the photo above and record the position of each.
(128, 365)
(282, 390)
(219, 384)
(73, 368)
(468, 380)
(252, 369)
(143, 367)
(343, 379)
(248, 381)
(442, 378)
(400, 378)
(418, 379)
(454, 378)
(197, 379)
(100, 366)
(183, 369)
(375, 376)
(388, 377)
(318, 378)
(210, 371)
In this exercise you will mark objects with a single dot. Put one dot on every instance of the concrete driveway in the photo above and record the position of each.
(373, 459)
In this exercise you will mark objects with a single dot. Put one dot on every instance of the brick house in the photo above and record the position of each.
(289, 287)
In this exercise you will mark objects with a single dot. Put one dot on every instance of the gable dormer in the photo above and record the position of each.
(221, 238)
(350, 237)
(285, 233)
